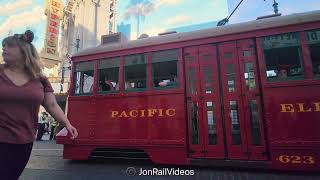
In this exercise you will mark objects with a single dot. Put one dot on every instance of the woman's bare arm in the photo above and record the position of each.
(51, 105)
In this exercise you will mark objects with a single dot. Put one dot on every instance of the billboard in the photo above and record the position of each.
(54, 13)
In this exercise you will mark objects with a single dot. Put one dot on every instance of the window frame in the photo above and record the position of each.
(309, 61)
(178, 70)
(74, 74)
(145, 54)
(118, 58)
(301, 57)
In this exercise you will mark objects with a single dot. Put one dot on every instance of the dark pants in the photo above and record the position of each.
(13, 159)
(52, 133)
(41, 127)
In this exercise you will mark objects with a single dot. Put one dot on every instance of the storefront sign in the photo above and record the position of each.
(54, 11)
(69, 7)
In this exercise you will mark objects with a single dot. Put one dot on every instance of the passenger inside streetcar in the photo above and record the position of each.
(127, 85)
(106, 85)
(173, 81)
(283, 73)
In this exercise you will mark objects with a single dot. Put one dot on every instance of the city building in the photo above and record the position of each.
(125, 29)
(84, 22)
(79, 24)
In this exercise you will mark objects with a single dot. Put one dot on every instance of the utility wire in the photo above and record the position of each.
(225, 20)
(235, 9)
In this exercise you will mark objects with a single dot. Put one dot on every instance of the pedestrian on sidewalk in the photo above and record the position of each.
(22, 90)
(53, 125)
(41, 126)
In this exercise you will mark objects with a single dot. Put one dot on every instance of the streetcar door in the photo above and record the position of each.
(203, 102)
(251, 99)
(241, 99)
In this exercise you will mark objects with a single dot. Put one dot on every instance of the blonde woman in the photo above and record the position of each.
(22, 90)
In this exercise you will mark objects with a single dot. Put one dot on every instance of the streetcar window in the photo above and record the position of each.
(246, 53)
(83, 78)
(255, 123)
(249, 76)
(165, 68)
(109, 75)
(192, 81)
(208, 79)
(235, 123)
(283, 57)
(193, 108)
(212, 124)
(313, 40)
(228, 55)
(231, 77)
(135, 72)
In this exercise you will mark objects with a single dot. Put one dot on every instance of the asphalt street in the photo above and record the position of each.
(46, 163)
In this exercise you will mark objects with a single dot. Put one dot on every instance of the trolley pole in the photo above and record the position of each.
(275, 7)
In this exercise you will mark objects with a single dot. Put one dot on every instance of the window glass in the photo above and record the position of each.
(207, 57)
(313, 41)
(246, 53)
(231, 77)
(109, 75)
(212, 124)
(192, 81)
(283, 57)
(235, 124)
(208, 79)
(254, 121)
(194, 123)
(135, 72)
(249, 76)
(83, 78)
(228, 55)
(189, 59)
(165, 68)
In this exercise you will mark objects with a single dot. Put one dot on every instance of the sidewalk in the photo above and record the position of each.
(46, 137)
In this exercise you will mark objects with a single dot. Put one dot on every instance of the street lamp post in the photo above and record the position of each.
(63, 69)
(77, 43)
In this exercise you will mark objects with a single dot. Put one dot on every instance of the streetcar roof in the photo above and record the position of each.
(292, 19)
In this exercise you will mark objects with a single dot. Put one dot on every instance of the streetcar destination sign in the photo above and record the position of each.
(143, 113)
(300, 107)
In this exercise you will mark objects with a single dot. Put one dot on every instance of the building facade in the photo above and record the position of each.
(84, 22)
(78, 24)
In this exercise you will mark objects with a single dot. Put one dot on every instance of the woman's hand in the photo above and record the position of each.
(51, 105)
(73, 131)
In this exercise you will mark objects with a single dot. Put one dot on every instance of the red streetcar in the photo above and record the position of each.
(245, 95)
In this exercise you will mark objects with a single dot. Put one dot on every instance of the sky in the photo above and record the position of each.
(18, 15)
(159, 15)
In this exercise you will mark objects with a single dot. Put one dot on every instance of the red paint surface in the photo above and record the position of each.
(167, 139)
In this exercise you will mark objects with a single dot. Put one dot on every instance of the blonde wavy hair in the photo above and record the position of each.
(32, 60)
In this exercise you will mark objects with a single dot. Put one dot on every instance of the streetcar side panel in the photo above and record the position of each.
(291, 95)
